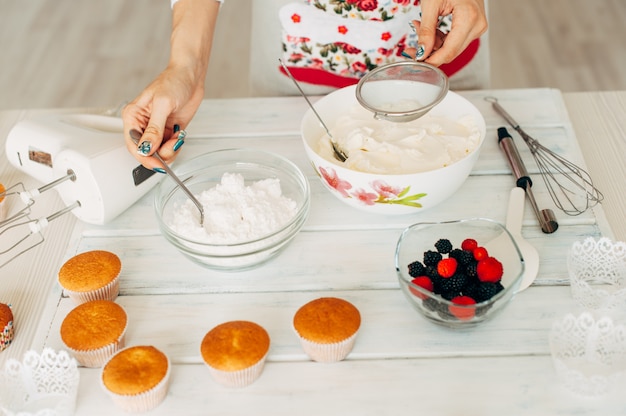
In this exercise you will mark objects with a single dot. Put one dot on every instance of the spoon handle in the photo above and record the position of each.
(339, 153)
(136, 136)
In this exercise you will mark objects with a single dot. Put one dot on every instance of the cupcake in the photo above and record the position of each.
(6, 326)
(327, 328)
(235, 352)
(137, 378)
(91, 275)
(93, 331)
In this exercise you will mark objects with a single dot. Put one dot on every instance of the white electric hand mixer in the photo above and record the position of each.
(83, 157)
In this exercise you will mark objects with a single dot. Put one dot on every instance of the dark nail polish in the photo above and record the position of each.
(178, 144)
(159, 170)
(176, 128)
(144, 148)
(406, 55)
(420, 52)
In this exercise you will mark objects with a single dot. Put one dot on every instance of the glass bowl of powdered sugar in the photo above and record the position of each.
(255, 202)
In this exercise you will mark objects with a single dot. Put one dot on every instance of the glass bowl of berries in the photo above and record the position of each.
(458, 273)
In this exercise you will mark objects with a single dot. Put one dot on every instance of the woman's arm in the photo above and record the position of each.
(176, 93)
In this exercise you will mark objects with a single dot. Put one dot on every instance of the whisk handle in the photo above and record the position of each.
(500, 110)
(506, 143)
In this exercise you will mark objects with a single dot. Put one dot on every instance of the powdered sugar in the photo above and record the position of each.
(235, 212)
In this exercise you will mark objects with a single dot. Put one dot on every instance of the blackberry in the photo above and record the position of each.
(471, 289)
(431, 271)
(463, 257)
(470, 269)
(449, 294)
(453, 286)
(416, 269)
(487, 290)
(443, 246)
(431, 304)
(457, 283)
(431, 258)
(438, 283)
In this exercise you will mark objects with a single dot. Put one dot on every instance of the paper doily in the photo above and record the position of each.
(589, 354)
(597, 271)
(43, 384)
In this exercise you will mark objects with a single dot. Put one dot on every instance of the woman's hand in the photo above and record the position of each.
(468, 23)
(171, 99)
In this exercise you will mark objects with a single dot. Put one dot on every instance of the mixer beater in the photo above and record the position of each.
(19, 233)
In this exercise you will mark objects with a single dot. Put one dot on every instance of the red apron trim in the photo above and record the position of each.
(463, 59)
(318, 76)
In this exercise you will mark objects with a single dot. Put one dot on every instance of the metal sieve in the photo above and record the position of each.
(402, 91)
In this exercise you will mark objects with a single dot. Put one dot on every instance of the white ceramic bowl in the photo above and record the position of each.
(389, 194)
(205, 172)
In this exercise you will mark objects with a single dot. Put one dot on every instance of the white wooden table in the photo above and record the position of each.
(401, 364)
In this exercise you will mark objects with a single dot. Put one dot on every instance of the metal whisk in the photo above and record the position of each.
(570, 186)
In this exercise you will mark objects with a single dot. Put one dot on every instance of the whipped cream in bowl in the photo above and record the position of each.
(393, 168)
(380, 146)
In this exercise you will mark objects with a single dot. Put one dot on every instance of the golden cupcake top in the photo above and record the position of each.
(235, 345)
(6, 315)
(327, 320)
(94, 324)
(89, 270)
(135, 370)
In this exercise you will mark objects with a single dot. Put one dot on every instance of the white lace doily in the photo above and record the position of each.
(597, 271)
(43, 384)
(589, 354)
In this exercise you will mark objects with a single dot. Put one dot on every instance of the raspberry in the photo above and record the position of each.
(480, 253)
(469, 244)
(462, 312)
(416, 269)
(489, 270)
(423, 282)
(447, 267)
(431, 258)
(444, 246)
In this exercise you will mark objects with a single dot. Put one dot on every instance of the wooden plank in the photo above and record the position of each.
(485, 386)
(390, 327)
(313, 260)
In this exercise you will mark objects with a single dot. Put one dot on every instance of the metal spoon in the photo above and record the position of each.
(136, 136)
(340, 155)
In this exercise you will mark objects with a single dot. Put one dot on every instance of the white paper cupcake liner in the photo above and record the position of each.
(98, 357)
(6, 336)
(145, 401)
(3, 209)
(108, 292)
(240, 378)
(328, 353)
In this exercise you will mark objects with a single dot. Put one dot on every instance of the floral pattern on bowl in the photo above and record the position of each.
(383, 192)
